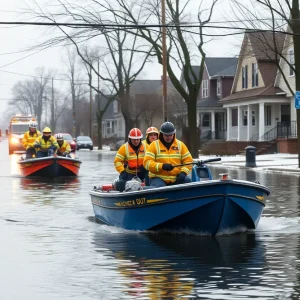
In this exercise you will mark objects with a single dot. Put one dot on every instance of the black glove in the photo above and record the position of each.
(181, 177)
(123, 175)
(65, 154)
(167, 167)
(142, 169)
(37, 146)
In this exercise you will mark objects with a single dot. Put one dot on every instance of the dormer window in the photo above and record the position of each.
(204, 88)
(254, 75)
(245, 77)
(292, 62)
(218, 87)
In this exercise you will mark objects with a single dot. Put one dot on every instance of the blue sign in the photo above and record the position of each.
(297, 99)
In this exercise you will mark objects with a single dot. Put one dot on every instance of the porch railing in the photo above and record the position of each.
(212, 135)
(281, 130)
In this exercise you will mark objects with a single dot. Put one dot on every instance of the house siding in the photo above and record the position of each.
(248, 61)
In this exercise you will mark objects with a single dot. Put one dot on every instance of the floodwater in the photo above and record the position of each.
(52, 248)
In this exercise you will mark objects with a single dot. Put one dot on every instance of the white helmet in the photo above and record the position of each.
(33, 124)
(59, 137)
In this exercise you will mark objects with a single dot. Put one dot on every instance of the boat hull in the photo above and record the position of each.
(52, 166)
(209, 206)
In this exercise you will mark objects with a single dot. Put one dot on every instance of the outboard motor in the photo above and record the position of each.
(201, 173)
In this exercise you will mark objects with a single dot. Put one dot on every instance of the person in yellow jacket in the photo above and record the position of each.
(129, 159)
(64, 148)
(163, 155)
(46, 144)
(29, 137)
(151, 136)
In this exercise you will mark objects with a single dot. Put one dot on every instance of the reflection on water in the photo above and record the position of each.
(160, 266)
(47, 228)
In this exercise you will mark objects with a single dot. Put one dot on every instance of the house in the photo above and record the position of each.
(216, 84)
(256, 104)
(146, 108)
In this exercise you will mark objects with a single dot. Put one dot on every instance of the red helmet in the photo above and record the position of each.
(135, 134)
(152, 130)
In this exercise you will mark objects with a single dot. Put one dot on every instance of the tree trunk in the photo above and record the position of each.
(193, 129)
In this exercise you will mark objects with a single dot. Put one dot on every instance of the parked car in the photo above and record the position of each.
(84, 142)
(68, 137)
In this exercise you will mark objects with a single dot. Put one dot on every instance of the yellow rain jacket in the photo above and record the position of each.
(65, 147)
(29, 138)
(126, 158)
(157, 155)
(45, 145)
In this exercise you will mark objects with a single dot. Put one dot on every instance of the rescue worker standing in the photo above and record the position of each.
(129, 159)
(64, 148)
(151, 136)
(28, 139)
(46, 144)
(163, 155)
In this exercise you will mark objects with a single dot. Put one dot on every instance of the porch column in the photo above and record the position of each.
(228, 123)
(239, 123)
(213, 126)
(261, 120)
(249, 122)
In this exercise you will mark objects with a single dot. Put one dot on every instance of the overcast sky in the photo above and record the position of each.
(14, 39)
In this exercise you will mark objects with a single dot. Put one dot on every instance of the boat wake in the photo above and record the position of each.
(267, 225)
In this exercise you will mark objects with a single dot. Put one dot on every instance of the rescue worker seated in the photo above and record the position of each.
(129, 159)
(151, 136)
(28, 139)
(45, 144)
(163, 155)
(64, 148)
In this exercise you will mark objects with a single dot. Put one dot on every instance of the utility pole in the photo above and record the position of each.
(52, 109)
(91, 102)
(164, 60)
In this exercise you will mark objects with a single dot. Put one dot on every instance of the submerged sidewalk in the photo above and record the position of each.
(273, 162)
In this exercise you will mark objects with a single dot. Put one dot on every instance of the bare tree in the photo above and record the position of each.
(76, 84)
(30, 96)
(124, 56)
(276, 16)
(184, 48)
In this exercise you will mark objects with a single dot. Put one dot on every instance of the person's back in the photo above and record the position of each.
(164, 155)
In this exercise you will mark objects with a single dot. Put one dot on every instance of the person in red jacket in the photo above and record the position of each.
(129, 159)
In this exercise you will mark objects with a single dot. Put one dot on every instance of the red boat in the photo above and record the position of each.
(51, 166)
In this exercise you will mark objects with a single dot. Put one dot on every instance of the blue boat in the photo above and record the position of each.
(204, 205)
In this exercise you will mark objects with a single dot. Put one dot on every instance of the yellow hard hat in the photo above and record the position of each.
(47, 130)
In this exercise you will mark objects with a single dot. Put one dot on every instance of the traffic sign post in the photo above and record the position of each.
(297, 99)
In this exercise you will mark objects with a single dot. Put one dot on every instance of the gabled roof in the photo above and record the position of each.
(266, 44)
(263, 46)
(148, 86)
(221, 66)
(253, 93)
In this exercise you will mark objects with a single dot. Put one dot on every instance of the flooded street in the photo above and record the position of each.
(52, 248)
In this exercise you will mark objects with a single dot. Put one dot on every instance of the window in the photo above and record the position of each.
(268, 115)
(205, 120)
(234, 117)
(254, 75)
(218, 87)
(204, 88)
(253, 117)
(245, 77)
(245, 117)
(292, 62)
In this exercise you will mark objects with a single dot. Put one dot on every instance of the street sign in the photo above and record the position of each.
(297, 99)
